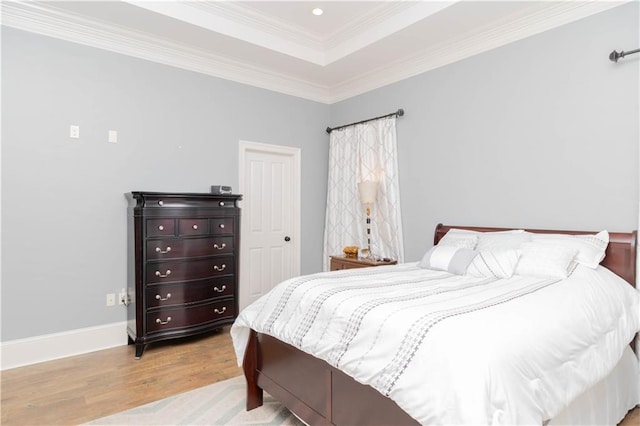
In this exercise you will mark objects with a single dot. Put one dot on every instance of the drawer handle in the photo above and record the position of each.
(162, 299)
(221, 203)
(219, 290)
(159, 321)
(161, 228)
(158, 274)
(222, 247)
(220, 312)
(221, 226)
(195, 226)
(159, 250)
(220, 268)
(161, 203)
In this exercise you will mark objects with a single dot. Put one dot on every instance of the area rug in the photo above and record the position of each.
(221, 403)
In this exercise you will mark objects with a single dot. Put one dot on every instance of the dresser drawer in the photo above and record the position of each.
(161, 227)
(222, 225)
(193, 227)
(174, 248)
(171, 271)
(181, 316)
(194, 291)
(165, 201)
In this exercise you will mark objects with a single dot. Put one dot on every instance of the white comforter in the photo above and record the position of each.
(455, 349)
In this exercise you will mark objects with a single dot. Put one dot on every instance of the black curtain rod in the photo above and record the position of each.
(398, 113)
(614, 56)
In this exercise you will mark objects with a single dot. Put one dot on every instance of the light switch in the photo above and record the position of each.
(74, 131)
(113, 136)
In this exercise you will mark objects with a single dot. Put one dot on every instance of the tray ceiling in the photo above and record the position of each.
(353, 47)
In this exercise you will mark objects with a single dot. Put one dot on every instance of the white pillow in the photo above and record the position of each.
(590, 248)
(502, 240)
(459, 238)
(539, 259)
(494, 263)
(447, 258)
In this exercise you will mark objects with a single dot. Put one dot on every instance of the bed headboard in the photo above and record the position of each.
(620, 255)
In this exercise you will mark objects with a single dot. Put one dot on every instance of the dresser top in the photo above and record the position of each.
(169, 201)
(142, 194)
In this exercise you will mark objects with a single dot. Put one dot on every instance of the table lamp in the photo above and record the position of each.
(368, 191)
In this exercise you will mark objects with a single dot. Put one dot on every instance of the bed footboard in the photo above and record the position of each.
(312, 389)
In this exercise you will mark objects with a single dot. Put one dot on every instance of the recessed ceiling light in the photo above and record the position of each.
(317, 11)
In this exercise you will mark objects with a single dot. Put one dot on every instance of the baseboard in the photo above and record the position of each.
(21, 352)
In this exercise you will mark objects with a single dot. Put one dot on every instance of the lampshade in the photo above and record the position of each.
(368, 190)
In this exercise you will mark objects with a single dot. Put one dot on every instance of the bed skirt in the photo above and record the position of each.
(609, 400)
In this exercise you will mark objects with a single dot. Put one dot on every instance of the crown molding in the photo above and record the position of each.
(246, 23)
(243, 23)
(54, 23)
(48, 21)
(382, 22)
(250, 16)
(373, 18)
(470, 44)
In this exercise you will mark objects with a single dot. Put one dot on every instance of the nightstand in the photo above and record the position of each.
(341, 262)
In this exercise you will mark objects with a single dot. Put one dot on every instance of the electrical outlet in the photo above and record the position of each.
(74, 131)
(111, 299)
(122, 297)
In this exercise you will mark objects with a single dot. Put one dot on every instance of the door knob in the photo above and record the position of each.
(287, 239)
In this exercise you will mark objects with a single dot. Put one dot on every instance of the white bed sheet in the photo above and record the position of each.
(514, 351)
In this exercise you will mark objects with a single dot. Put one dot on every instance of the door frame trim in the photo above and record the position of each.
(244, 147)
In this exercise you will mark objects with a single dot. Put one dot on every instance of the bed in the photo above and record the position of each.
(319, 393)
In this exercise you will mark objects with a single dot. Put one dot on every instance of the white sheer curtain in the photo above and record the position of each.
(363, 152)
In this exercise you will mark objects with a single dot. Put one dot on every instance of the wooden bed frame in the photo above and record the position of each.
(320, 394)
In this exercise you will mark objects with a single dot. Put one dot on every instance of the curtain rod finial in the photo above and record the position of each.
(614, 56)
(329, 130)
(400, 112)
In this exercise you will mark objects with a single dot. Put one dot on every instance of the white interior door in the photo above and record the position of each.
(270, 225)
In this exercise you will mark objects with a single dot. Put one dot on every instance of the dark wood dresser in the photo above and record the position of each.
(183, 264)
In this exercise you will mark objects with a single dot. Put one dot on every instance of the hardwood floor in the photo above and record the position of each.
(78, 389)
(632, 418)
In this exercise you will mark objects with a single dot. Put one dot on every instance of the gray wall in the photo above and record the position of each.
(64, 209)
(539, 133)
